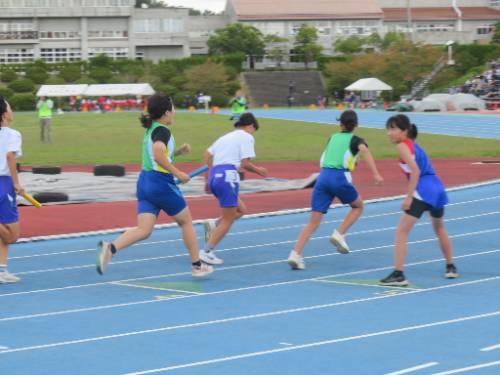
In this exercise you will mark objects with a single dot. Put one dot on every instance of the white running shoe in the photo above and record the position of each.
(103, 256)
(296, 261)
(338, 241)
(201, 271)
(209, 257)
(209, 226)
(8, 278)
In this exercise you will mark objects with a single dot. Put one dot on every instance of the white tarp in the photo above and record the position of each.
(467, 102)
(61, 90)
(428, 105)
(368, 84)
(119, 89)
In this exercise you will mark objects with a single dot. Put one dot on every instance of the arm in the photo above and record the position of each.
(247, 165)
(159, 156)
(367, 155)
(11, 163)
(405, 155)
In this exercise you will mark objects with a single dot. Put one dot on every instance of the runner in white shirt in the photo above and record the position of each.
(226, 156)
(10, 149)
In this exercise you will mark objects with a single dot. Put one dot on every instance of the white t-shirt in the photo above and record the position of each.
(232, 147)
(10, 141)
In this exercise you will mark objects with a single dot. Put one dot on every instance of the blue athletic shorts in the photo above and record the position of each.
(224, 183)
(157, 191)
(8, 203)
(330, 184)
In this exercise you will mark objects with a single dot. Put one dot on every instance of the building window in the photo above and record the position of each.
(60, 54)
(116, 53)
(16, 55)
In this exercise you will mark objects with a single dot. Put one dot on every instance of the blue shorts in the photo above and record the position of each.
(224, 183)
(331, 184)
(157, 191)
(8, 202)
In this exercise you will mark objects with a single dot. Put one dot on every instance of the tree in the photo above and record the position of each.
(496, 33)
(305, 44)
(209, 78)
(150, 4)
(349, 45)
(236, 37)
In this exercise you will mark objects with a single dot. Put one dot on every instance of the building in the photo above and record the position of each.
(70, 30)
(429, 21)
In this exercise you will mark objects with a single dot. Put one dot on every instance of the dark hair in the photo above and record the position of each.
(245, 119)
(402, 122)
(349, 119)
(158, 104)
(3, 108)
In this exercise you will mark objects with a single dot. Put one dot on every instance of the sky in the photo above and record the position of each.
(215, 6)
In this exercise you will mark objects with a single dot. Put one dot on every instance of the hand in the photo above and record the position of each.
(406, 203)
(183, 177)
(184, 149)
(19, 189)
(263, 171)
(378, 179)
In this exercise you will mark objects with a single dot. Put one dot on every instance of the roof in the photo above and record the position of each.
(255, 10)
(441, 14)
(118, 89)
(368, 84)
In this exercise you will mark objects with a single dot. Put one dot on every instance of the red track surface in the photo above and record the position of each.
(74, 218)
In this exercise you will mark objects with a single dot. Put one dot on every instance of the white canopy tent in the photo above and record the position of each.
(368, 84)
(126, 89)
(61, 90)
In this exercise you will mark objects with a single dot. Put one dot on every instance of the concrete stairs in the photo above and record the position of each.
(273, 88)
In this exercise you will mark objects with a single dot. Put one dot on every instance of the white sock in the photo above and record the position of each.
(3, 268)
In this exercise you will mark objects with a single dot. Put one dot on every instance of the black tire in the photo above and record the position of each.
(109, 170)
(51, 196)
(46, 170)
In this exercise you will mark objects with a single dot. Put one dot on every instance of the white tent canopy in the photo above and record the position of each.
(61, 90)
(126, 89)
(135, 89)
(368, 84)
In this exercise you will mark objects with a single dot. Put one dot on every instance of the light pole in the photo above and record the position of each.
(449, 43)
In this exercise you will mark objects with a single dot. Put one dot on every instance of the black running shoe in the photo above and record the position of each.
(396, 278)
(451, 271)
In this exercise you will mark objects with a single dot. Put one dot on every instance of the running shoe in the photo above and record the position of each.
(339, 242)
(103, 256)
(451, 271)
(201, 271)
(8, 278)
(396, 278)
(209, 257)
(296, 261)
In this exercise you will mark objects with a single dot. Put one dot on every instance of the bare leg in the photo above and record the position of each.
(313, 224)
(352, 216)
(229, 216)
(444, 239)
(405, 225)
(9, 233)
(185, 221)
(145, 225)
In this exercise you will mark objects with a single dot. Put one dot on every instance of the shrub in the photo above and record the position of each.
(8, 75)
(22, 85)
(23, 102)
(6, 92)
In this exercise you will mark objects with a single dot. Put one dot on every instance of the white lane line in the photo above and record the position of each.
(3, 347)
(469, 368)
(255, 287)
(412, 369)
(316, 344)
(254, 316)
(490, 348)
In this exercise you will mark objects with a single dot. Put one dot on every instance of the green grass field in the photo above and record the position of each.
(115, 138)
